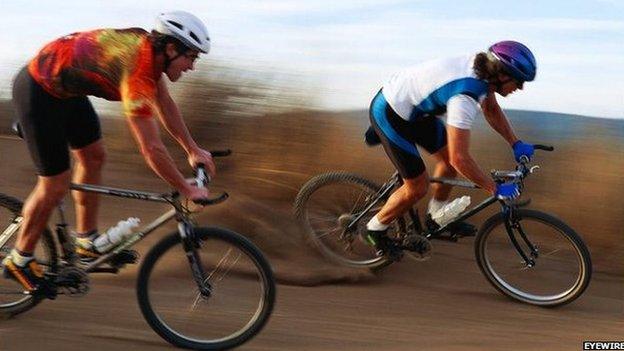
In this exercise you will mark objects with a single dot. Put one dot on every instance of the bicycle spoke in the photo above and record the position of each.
(322, 219)
(357, 201)
(332, 231)
(550, 254)
(219, 264)
(218, 277)
(228, 268)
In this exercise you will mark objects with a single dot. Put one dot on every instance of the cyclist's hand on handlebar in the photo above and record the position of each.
(194, 193)
(507, 191)
(201, 156)
(521, 148)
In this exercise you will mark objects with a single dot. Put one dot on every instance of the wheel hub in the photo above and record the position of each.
(344, 220)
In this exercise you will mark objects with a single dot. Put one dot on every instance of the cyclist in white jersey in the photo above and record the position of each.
(406, 112)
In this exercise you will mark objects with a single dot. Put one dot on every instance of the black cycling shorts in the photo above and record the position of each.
(400, 137)
(49, 124)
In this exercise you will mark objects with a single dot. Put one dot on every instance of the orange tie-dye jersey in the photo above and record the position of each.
(114, 64)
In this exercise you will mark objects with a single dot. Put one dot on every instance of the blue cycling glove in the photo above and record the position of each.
(522, 149)
(507, 191)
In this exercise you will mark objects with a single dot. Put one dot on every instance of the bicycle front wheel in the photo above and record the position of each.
(562, 265)
(233, 303)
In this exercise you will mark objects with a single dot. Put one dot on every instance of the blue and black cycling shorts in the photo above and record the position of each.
(400, 137)
(51, 125)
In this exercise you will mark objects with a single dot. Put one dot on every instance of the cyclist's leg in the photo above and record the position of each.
(442, 168)
(87, 170)
(43, 127)
(85, 138)
(20, 264)
(398, 144)
(46, 195)
(412, 190)
(430, 133)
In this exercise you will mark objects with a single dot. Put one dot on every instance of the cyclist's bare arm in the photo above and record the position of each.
(147, 135)
(497, 119)
(172, 120)
(460, 159)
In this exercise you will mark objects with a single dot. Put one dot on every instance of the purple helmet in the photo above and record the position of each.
(517, 59)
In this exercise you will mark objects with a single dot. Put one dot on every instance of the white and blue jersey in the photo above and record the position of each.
(405, 111)
(444, 86)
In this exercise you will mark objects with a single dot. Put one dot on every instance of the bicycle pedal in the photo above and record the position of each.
(47, 290)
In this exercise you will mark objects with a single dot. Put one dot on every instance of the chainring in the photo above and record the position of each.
(72, 281)
(418, 247)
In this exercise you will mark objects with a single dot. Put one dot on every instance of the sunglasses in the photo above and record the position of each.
(518, 83)
(191, 57)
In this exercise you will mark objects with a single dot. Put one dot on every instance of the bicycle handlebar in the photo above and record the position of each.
(202, 179)
(221, 153)
(543, 147)
(522, 169)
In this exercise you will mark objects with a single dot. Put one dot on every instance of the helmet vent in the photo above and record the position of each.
(176, 24)
(186, 28)
(192, 35)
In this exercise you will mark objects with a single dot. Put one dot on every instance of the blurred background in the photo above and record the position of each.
(337, 53)
(287, 86)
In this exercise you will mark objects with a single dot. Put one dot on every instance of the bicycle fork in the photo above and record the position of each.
(512, 222)
(191, 243)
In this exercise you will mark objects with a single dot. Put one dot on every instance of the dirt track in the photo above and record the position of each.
(442, 304)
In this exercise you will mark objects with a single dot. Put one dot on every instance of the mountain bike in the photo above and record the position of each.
(204, 288)
(528, 255)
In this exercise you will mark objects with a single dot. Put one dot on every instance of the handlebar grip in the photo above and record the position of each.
(212, 201)
(543, 147)
(221, 153)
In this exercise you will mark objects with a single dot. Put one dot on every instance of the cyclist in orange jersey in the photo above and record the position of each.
(56, 119)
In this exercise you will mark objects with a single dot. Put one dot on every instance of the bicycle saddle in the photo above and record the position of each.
(371, 138)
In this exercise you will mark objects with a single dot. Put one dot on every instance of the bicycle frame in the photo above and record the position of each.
(179, 212)
(510, 221)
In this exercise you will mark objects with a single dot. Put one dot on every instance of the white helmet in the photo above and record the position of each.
(185, 27)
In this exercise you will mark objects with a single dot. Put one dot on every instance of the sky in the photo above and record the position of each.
(346, 49)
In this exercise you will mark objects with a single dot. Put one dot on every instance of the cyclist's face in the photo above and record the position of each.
(508, 85)
(181, 63)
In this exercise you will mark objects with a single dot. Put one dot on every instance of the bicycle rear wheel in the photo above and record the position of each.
(562, 268)
(13, 300)
(240, 298)
(326, 204)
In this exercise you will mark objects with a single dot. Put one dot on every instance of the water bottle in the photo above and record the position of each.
(115, 235)
(451, 210)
